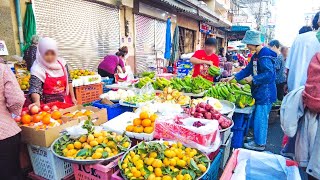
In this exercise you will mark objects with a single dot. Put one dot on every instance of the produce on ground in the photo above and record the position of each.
(206, 111)
(23, 81)
(139, 98)
(117, 95)
(143, 124)
(173, 96)
(75, 74)
(160, 83)
(149, 74)
(94, 145)
(143, 81)
(191, 85)
(233, 92)
(157, 160)
(79, 113)
(214, 71)
(40, 118)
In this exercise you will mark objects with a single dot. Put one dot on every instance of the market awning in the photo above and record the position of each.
(239, 28)
(180, 6)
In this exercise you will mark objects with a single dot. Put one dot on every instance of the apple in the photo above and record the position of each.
(54, 108)
(17, 118)
(34, 109)
(46, 108)
(24, 113)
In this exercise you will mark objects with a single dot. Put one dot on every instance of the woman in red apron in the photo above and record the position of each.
(50, 80)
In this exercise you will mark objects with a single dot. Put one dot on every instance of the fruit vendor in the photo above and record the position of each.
(262, 70)
(50, 80)
(202, 60)
(11, 101)
(112, 64)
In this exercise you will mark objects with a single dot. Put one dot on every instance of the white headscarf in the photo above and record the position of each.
(40, 67)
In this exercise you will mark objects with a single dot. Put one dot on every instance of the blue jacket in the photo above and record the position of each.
(263, 85)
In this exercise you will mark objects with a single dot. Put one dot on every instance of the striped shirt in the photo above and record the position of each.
(11, 102)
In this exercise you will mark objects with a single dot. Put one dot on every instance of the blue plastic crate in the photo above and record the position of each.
(238, 119)
(238, 135)
(105, 82)
(213, 171)
(112, 110)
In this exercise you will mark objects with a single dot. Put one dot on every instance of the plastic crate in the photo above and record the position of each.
(46, 165)
(105, 82)
(226, 151)
(213, 171)
(96, 171)
(88, 93)
(112, 110)
(238, 119)
(238, 135)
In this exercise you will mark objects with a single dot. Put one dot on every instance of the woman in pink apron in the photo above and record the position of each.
(50, 80)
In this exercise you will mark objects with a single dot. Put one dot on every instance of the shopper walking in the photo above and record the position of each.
(31, 53)
(301, 52)
(262, 70)
(280, 68)
(11, 102)
(113, 64)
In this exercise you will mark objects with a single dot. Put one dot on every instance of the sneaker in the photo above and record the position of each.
(248, 139)
(253, 146)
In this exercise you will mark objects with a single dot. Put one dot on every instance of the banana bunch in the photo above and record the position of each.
(191, 85)
(142, 82)
(161, 83)
(240, 95)
(214, 71)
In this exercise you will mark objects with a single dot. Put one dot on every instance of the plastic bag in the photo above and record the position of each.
(77, 131)
(263, 166)
(179, 128)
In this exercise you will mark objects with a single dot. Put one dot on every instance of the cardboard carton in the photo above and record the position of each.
(45, 138)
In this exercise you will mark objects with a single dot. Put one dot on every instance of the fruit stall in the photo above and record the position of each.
(152, 127)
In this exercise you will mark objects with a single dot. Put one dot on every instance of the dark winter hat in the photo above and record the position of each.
(211, 42)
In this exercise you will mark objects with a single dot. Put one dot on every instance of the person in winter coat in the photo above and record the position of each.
(262, 70)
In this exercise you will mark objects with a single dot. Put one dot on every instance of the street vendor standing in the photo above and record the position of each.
(203, 59)
(50, 80)
(262, 70)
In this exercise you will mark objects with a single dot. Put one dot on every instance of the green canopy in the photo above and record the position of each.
(29, 28)
(175, 45)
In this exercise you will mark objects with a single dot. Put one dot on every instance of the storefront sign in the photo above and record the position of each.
(239, 19)
(205, 28)
(3, 48)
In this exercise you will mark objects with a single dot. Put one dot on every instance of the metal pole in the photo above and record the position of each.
(19, 22)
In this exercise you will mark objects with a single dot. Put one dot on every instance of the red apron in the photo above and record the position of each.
(56, 85)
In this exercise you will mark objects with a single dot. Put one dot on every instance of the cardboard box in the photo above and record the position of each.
(45, 138)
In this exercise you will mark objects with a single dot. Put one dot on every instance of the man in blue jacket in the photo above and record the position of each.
(262, 70)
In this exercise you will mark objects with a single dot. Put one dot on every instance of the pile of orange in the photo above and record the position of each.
(78, 114)
(44, 117)
(143, 124)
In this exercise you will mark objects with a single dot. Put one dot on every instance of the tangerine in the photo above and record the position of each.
(56, 115)
(148, 130)
(26, 119)
(144, 115)
(138, 129)
(130, 128)
(137, 122)
(146, 123)
(46, 119)
(36, 118)
(153, 117)
(59, 121)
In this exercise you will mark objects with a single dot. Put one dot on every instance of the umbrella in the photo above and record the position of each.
(175, 47)
(29, 28)
(168, 40)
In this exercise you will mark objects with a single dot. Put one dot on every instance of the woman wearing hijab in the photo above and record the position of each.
(112, 64)
(11, 102)
(50, 80)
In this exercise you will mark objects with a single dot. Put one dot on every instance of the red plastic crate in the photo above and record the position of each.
(88, 93)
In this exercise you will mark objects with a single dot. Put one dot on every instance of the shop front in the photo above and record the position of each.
(80, 28)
